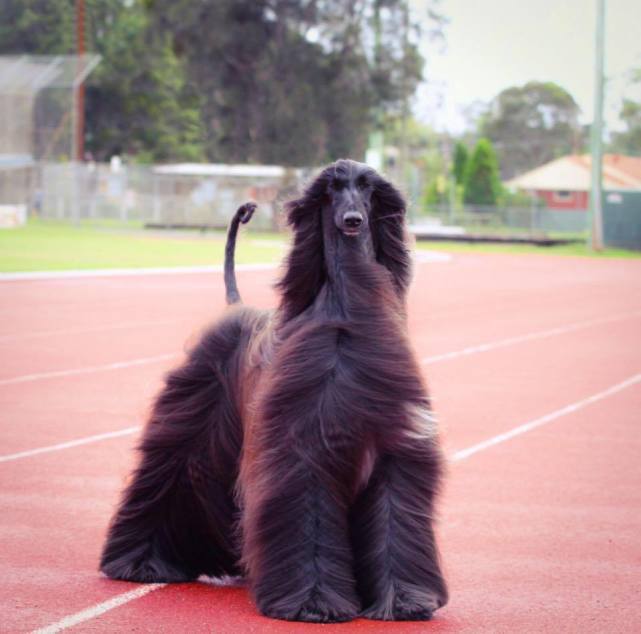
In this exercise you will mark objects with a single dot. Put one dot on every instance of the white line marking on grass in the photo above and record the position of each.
(165, 270)
(541, 334)
(544, 420)
(100, 608)
(54, 374)
(71, 443)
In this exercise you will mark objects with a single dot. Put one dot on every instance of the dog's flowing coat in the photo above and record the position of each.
(297, 447)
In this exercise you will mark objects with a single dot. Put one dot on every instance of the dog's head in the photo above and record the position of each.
(353, 202)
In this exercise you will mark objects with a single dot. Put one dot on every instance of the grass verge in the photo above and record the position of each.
(578, 249)
(52, 246)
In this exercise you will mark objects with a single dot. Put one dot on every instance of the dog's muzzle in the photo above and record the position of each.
(352, 222)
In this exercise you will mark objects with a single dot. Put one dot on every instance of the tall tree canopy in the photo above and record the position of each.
(531, 125)
(137, 98)
(295, 82)
(628, 140)
(39, 27)
(292, 82)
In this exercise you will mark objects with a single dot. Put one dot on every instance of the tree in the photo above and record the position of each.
(39, 27)
(292, 82)
(531, 125)
(437, 193)
(460, 162)
(628, 141)
(482, 185)
(137, 99)
(296, 82)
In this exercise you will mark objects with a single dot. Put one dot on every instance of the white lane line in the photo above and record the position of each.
(420, 256)
(492, 345)
(74, 331)
(99, 608)
(462, 454)
(166, 270)
(541, 334)
(425, 256)
(71, 443)
(431, 256)
(26, 378)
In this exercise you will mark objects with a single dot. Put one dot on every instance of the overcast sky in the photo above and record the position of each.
(495, 44)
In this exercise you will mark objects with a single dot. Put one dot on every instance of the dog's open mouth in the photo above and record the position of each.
(351, 232)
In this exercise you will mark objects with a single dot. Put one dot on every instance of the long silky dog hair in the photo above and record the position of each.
(297, 447)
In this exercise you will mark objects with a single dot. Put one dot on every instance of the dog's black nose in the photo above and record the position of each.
(353, 219)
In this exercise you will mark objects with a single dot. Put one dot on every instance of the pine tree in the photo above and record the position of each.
(481, 183)
(460, 162)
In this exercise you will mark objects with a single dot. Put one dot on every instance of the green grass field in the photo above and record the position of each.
(483, 247)
(51, 246)
(41, 246)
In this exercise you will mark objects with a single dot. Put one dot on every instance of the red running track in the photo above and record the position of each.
(540, 530)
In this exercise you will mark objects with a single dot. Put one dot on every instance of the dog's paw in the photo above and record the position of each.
(151, 570)
(314, 610)
(401, 607)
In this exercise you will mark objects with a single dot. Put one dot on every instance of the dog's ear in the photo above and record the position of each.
(390, 234)
(305, 271)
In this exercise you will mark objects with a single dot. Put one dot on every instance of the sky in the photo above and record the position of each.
(493, 45)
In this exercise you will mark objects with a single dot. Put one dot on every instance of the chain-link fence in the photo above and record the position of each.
(533, 220)
(37, 122)
(206, 195)
(171, 196)
(37, 104)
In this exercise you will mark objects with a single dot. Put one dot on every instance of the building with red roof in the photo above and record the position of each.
(565, 182)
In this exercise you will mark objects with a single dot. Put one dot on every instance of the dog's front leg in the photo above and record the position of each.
(296, 537)
(397, 564)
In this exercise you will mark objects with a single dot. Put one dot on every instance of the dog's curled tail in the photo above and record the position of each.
(243, 214)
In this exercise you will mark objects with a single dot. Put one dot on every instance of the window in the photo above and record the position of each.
(563, 196)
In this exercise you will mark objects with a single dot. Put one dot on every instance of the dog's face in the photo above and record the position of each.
(350, 186)
(352, 203)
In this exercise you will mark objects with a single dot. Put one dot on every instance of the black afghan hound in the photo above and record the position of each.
(297, 447)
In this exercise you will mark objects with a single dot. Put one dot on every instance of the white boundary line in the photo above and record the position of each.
(101, 608)
(73, 331)
(462, 454)
(484, 347)
(136, 362)
(165, 270)
(540, 334)
(71, 443)
(54, 374)
(419, 256)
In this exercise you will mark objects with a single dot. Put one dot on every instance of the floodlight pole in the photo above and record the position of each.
(595, 219)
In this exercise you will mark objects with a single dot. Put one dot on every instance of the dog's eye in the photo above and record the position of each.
(338, 184)
(362, 183)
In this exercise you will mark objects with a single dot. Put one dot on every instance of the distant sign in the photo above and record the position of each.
(12, 216)
(615, 198)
